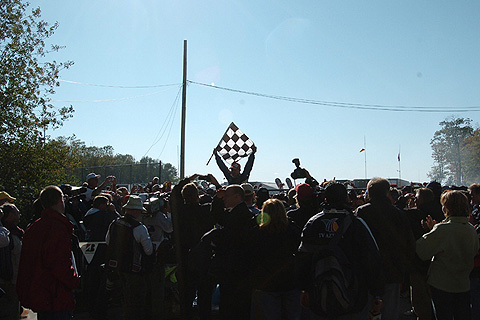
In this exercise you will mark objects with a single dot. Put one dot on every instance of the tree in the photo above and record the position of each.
(30, 160)
(27, 79)
(471, 150)
(447, 144)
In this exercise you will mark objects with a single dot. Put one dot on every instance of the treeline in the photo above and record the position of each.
(30, 163)
(456, 152)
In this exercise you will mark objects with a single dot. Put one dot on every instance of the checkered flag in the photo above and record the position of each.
(234, 145)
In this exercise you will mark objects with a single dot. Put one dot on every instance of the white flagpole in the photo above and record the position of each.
(399, 168)
(365, 152)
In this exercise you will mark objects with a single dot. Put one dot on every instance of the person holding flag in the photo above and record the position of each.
(235, 144)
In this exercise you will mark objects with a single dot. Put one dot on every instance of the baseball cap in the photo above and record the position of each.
(304, 191)
(236, 165)
(5, 195)
(92, 175)
(247, 187)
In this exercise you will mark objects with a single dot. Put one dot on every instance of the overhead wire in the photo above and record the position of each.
(165, 123)
(118, 86)
(110, 100)
(171, 125)
(335, 104)
(348, 105)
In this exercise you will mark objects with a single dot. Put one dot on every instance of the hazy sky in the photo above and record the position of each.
(388, 53)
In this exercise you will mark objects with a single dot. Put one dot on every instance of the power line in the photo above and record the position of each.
(110, 100)
(350, 105)
(170, 115)
(122, 87)
(335, 104)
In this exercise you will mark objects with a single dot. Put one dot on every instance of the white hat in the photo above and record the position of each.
(247, 187)
(135, 202)
(92, 175)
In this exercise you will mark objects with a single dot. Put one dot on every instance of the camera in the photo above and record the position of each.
(156, 203)
(73, 193)
(298, 173)
(202, 178)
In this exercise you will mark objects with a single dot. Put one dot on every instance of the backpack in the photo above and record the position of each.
(335, 285)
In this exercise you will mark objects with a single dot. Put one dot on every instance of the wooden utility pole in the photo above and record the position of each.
(184, 111)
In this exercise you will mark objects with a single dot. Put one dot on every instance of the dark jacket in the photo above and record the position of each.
(243, 177)
(232, 242)
(46, 277)
(302, 214)
(394, 237)
(96, 223)
(358, 246)
(273, 257)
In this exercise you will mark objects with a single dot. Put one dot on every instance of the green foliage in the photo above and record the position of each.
(104, 161)
(29, 160)
(27, 78)
(448, 146)
(471, 150)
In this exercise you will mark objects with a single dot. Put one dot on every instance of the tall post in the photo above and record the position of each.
(184, 111)
(399, 168)
(365, 154)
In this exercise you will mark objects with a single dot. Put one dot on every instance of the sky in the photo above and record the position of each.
(386, 53)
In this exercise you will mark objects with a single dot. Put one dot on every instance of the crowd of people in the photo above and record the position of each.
(317, 251)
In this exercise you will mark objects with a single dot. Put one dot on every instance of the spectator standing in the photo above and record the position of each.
(128, 250)
(394, 237)
(159, 224)
(357, 245)
(10, 220)
(46, 274)
(474, 219)
(195, 220)
(275, 295)
(420, 291)
(93, 189)
(306, 206)
(451, 245)
(232, 246)
(249, 198)
(96, 222)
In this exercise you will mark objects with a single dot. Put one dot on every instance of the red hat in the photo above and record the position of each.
(235, 165)
(304, 191)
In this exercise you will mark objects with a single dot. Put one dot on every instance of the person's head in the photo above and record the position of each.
(122, 191)
(234, 194)
(394, 194)
(262, 195)
(436, 187)
(455, 204)
(273, 216)
(155, 180)
(304, 195)
(423, 196)
(336, 195)
(249, 193)
(100, 202)
(5, 198)
(10, 214)
(235, 169)
(378, 188)
(52, 198)
(134, 206)
(474, 191)
(92, 180)
(190, 193)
